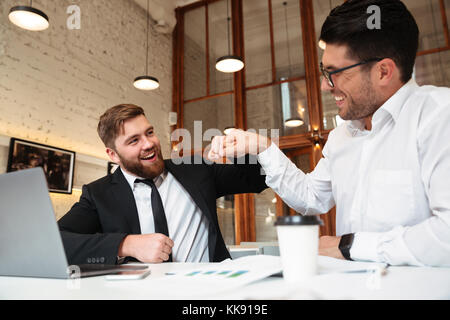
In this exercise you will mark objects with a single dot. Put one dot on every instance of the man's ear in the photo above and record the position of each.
(113, 155)
(386, 71)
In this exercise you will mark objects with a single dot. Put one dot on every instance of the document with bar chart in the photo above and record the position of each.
(240, 271)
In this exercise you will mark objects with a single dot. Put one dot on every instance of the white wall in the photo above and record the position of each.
(55, 84)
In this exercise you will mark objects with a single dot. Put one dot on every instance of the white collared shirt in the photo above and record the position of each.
(188, 227)
(390, 185)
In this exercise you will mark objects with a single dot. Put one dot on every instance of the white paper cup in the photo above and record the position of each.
(298, 238)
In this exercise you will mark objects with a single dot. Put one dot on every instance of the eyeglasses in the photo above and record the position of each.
(328, 74)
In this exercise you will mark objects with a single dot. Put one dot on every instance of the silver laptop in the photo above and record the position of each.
(30, 242)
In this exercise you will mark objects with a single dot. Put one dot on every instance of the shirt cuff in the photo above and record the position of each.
(364, 247)
(268, 159)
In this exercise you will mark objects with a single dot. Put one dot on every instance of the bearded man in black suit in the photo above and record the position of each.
(171, 216)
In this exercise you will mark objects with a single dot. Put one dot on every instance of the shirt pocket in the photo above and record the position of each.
(390, 199)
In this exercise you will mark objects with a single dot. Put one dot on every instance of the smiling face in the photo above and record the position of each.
(137, 149)
(353, 89)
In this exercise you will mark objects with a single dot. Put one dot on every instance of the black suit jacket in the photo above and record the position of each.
(95, 226)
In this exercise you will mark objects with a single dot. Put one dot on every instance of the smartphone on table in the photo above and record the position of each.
(129, 275)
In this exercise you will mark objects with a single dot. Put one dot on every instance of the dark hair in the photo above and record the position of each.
(397, 39)
(111, 122)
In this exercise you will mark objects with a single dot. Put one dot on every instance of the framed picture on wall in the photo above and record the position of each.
(58, 164)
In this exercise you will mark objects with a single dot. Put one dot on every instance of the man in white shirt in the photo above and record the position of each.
(387, 168)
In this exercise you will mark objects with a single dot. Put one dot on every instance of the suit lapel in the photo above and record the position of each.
(126, 204)
(124, 199)
(191, 186)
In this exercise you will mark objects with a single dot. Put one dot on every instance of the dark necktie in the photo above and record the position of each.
(159, 216)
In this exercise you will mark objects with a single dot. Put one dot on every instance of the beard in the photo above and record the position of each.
(364, 105)
(149, 171)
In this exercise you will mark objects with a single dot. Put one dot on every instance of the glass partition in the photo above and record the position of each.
(433, 69)
(287, 35)
(265, 215)
(194, 54)
(447, 13)
(258, 65)
(428, 17)
(269, 107)
(203, 115)
(225, 215)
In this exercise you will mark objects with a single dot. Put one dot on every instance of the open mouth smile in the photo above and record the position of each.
(149, 157)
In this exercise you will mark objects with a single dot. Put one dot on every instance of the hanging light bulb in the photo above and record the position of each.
(322, 44)
(28, 18)
(293, 122)
(229, 63)
(146, 82)
(316, 138)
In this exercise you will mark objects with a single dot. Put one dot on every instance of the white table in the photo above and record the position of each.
(398, 283)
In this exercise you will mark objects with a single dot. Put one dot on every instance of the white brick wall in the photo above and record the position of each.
(55, 84)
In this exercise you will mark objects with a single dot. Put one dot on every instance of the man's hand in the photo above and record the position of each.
(238, 143)
(329, 246)
(150, 248)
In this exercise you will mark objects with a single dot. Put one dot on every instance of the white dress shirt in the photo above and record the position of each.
(390, 185)
(188, 227)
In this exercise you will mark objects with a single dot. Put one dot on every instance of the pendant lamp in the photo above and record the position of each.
(322, 44)
(229, 63)
(28, 18)
(294, 121)
(146, 82)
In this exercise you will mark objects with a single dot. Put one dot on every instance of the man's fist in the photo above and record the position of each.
(237, 144)
(152, 248)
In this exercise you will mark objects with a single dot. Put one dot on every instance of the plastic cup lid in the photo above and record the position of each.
(298, 220)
